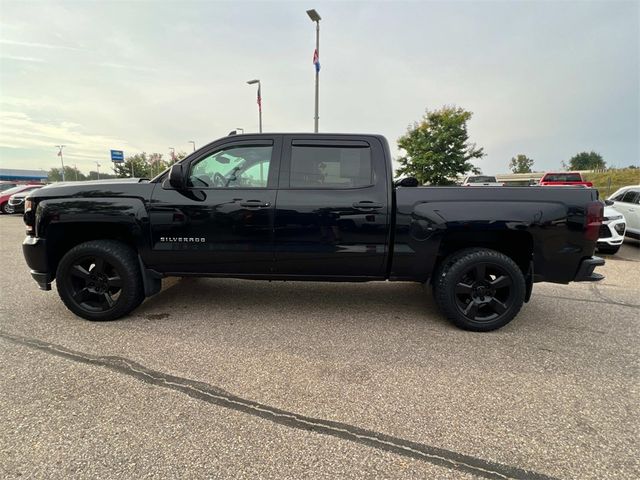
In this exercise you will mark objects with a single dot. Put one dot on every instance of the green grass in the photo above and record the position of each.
(619, 178)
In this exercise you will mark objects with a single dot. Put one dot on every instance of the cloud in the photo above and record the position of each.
(21, 132)
(37, 45)
(125, 67)
(18, 58)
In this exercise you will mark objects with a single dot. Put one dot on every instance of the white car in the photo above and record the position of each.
(611, 231)
(627, 201)
(481, 181)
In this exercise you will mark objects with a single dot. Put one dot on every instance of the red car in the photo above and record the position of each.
(4, 196)
(564, 178)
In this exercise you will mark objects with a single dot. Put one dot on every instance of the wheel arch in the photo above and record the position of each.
(517, 245)
(62, 237)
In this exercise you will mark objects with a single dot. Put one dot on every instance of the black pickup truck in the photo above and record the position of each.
(320, 207)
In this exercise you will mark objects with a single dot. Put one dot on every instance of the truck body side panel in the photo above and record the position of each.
(550, 220)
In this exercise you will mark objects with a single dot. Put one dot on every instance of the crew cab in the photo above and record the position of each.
(555, 179)
(314, 207)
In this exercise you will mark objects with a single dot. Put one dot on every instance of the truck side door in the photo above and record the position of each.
(333, 209)
(223, 222)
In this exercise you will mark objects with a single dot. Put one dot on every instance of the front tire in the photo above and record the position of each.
(480, 289)
(6, 208)
(100, 280)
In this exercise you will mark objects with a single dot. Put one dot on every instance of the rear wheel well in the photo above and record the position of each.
(63, 237)
(516, 245)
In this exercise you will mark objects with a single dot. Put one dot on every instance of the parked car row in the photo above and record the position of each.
(621, 213)
(12, 199)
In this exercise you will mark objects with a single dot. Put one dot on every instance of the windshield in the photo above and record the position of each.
(26, 191)
(19, 188)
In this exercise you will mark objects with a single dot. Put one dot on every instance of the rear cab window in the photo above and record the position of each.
(562, 177)
(481, 179)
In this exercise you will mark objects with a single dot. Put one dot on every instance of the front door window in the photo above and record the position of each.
(233, 167)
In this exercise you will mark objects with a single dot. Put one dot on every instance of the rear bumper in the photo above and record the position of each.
(586, 271)
(35, 253)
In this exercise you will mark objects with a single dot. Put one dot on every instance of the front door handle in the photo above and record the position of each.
(255, 204)
(367, 205)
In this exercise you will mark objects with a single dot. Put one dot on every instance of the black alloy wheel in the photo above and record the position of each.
(94, 283)
(483, 292)
(479, 289)
(100, 280)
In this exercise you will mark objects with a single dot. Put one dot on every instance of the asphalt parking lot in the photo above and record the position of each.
(239, 379)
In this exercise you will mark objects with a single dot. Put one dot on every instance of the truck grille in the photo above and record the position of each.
(604, 232)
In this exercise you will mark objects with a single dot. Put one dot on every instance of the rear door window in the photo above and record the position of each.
(331, 167)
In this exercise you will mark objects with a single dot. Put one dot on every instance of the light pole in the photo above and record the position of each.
(98, 168)
(172, 151)
(75, 167)
(194, 144)
(315, 17)
(253, 82)
(60, 147)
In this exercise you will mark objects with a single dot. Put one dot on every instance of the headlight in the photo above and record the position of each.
(609, 219)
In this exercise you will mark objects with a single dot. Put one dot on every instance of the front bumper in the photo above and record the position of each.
(35, 253)
(612, 233)
(586, 271)
(17, 206)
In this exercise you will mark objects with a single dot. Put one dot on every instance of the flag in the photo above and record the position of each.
(259, 99)
(316, 60)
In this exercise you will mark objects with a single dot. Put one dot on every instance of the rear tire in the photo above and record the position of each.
(6, 209)
(100, 280)
(480, 289)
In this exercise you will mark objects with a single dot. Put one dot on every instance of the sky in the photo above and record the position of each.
(547, 79)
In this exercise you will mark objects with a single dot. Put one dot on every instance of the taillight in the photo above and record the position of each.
(29, 217)
(595, 214)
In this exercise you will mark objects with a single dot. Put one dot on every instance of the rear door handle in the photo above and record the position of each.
(367, 205)
(255, 204)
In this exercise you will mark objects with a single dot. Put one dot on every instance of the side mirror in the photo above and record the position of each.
(407, 182)
(176, 177)
(608, 203)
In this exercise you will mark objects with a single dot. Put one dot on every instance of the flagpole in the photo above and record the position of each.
(260, 107)
(315, 17)
(60, 147)
(317, 75)
(253, 82)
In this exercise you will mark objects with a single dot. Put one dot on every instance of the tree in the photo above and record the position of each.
(587, 161)
(144, 165)
(71, 174)
(521, 164)
(438, 148)
(93, 175)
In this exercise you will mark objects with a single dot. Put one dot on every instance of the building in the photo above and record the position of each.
(23, 176)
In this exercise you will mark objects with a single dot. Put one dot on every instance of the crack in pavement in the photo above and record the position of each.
(211, 394)
(605, 301)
